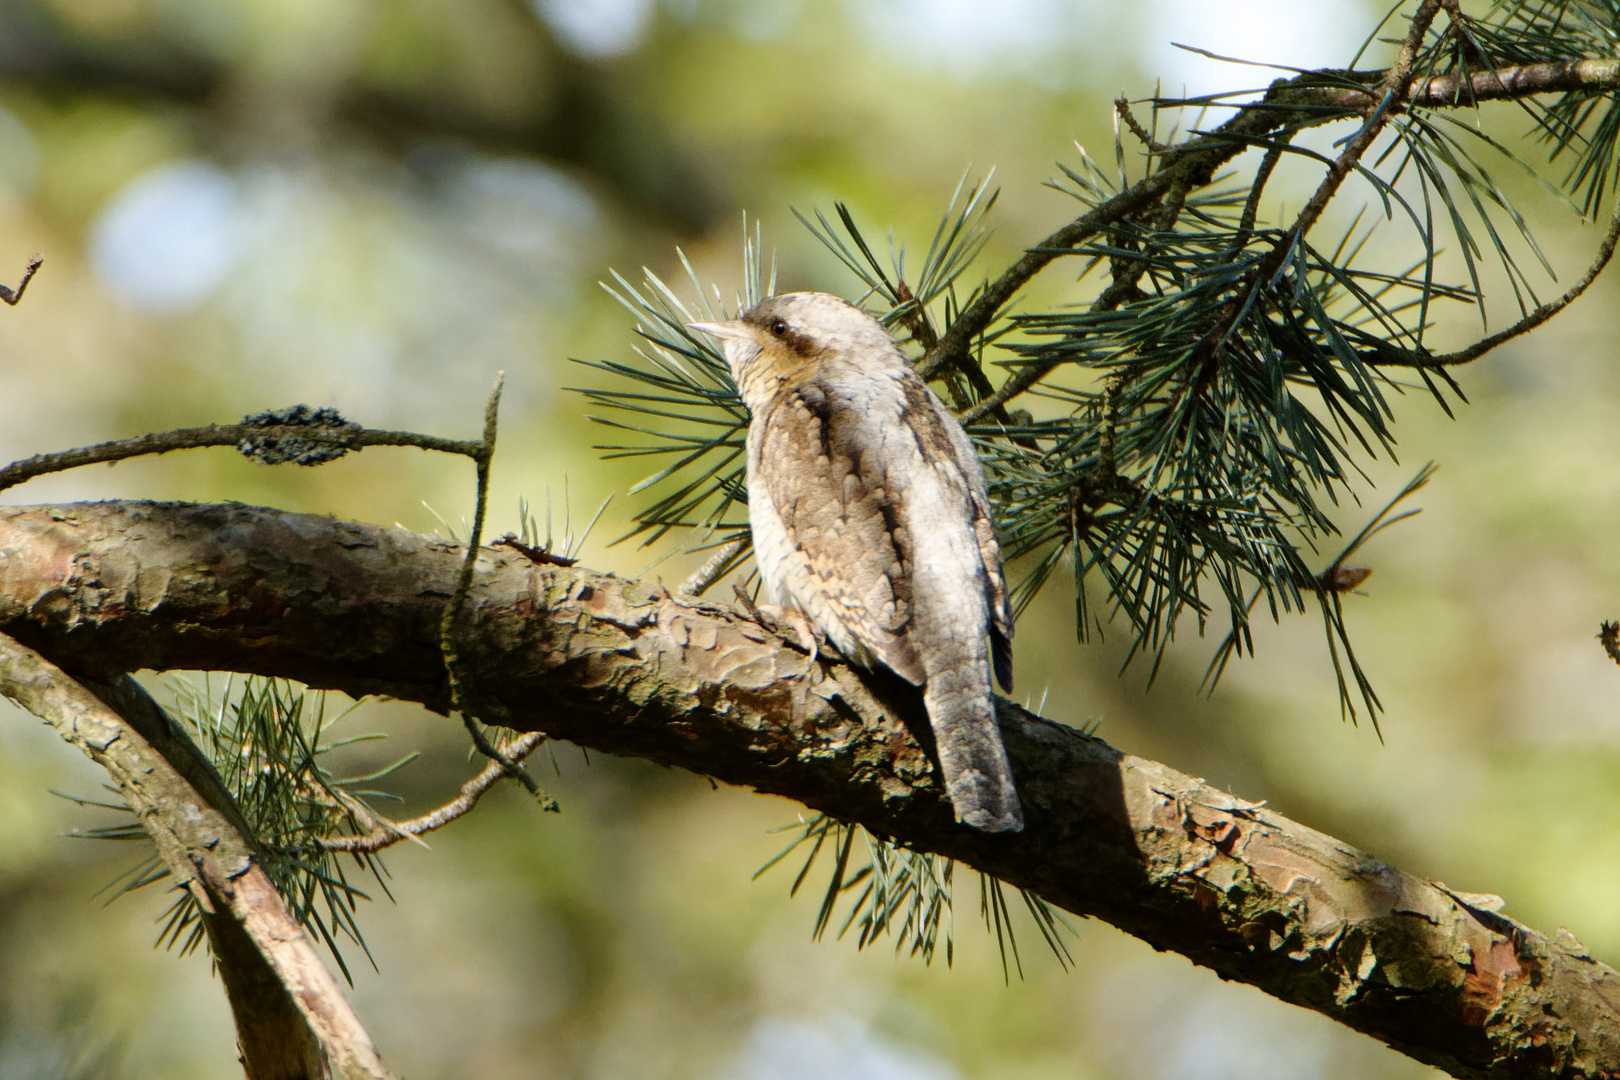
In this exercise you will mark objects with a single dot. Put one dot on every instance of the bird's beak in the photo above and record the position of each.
(731, 328)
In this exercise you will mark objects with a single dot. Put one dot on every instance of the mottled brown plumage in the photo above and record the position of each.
(869, 514)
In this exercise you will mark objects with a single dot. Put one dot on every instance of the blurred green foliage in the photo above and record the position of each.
(417, 194)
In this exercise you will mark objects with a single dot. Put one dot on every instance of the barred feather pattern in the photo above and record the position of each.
(869, 513)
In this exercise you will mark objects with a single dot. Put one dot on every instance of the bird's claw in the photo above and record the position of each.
(807, 633)
(775, 618)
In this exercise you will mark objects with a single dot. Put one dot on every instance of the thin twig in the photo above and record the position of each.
(14, 296)
(452, 610)
(537, 555)
(914, 317)
(752, 608)
(234, 435)
(1396, 87)
(924, 334)
(389, 833)
(1394, 356)
(1251, 206)
(713, 570)
(1122, 106)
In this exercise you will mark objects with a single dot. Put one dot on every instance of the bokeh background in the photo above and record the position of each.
(377, 204)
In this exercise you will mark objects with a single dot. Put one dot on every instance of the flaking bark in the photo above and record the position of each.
(625, 667)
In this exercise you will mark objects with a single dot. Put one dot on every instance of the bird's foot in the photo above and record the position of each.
(808, 637)
(776, 618)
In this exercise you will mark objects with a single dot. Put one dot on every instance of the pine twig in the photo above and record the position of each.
(448, 646)
(296, 435)
(388, 833)
(1122, 106)
(14, 296)
(714, 569)
(1394, 356)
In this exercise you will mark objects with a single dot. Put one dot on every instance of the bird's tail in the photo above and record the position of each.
(977, 776)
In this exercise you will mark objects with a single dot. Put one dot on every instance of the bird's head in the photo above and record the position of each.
(784, 340)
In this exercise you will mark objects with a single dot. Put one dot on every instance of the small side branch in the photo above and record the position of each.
(1122, 106)
(1397, 85)
(715, 568)
(389, 833)
(14, 296)
(1393, 356)
(323, 441)
(484, 455)
(537, 555)
(1262, 176)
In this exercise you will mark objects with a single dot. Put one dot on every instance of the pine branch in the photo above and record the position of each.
(14, 297)
(297, 435)
(1514, 82)
(1439, 974)
(384, 834)
(281, 994)
(1390, 355)
(1196, 461)
(1290, 105)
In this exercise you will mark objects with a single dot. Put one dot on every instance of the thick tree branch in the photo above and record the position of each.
(627, 668)
(290, 1011)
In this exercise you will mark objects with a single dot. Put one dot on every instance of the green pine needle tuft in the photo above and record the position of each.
(267, 739)
(906, 895)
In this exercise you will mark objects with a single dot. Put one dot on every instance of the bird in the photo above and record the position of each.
(869, 515)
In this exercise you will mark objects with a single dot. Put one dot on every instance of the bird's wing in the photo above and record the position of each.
(953, 451)
(825, 475)
(1001, 626)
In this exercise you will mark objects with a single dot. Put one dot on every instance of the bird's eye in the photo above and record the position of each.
(778, 327)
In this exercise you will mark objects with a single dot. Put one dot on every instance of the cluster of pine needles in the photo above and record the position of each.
(268, 740)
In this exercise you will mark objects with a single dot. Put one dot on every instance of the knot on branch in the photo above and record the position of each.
(298, 435)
